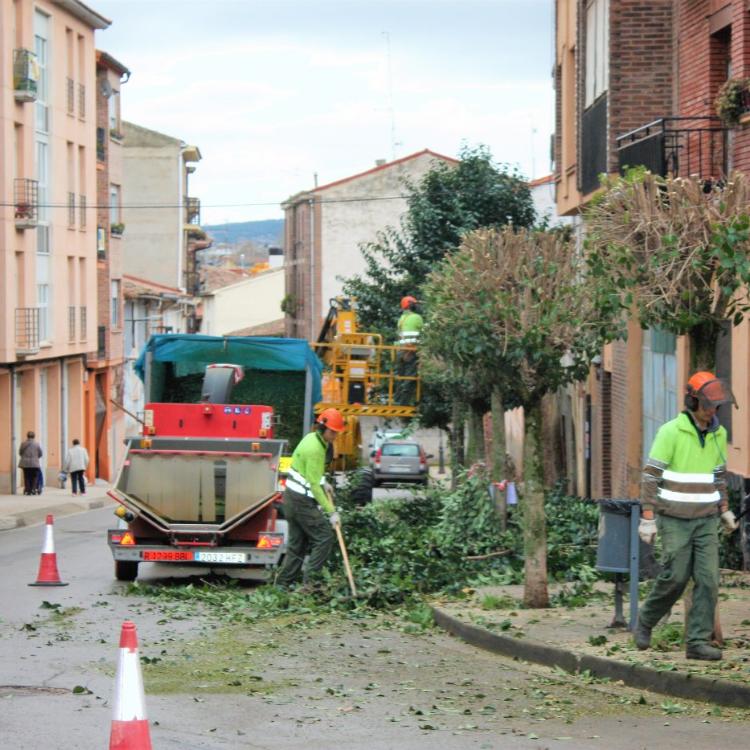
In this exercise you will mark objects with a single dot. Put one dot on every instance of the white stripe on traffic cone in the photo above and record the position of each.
(130, 729)
(48, 574)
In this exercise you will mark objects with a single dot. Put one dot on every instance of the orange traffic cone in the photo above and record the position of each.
(129, 723)
(48, 575)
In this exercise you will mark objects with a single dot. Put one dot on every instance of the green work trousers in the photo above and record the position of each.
(310, 533)
(690, 549)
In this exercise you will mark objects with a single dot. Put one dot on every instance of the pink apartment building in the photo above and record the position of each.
(48, 227)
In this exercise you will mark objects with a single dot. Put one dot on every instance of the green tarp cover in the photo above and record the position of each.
(190, 353)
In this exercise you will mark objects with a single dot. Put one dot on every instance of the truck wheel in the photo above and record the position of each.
(126, 570)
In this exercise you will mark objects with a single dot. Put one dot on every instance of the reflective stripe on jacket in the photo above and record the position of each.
(683, 478)
(307, 473)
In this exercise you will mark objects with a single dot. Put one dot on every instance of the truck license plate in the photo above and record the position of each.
(221, 557)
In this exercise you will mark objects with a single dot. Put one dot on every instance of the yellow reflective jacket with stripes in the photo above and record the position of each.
(683, 478)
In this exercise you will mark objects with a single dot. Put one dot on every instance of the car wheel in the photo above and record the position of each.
(126, 570)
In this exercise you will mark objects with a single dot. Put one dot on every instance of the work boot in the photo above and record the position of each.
(703, 652)
(642, 636)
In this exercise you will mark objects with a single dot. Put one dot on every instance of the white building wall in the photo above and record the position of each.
(348, 224)
(251, 302)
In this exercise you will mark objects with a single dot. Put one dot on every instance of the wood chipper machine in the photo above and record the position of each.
(200, 486)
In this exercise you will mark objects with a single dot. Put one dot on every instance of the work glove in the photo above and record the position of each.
(729, 522)
(335, 519)
(647, 530)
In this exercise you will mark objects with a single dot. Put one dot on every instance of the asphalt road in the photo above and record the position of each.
(304, 682)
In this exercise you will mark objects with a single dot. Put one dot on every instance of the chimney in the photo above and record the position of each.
(379, 162)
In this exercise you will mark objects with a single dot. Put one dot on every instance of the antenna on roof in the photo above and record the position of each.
(391, 110)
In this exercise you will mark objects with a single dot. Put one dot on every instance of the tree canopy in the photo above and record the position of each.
(448, 202)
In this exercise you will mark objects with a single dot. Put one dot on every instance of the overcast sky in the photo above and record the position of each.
(274, 92)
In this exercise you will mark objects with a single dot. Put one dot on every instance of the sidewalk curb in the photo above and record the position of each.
(37, 515)
(680, 685)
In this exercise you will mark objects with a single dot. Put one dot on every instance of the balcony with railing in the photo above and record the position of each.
(25, 202)
(71, 323)
(193, 210)
(25, 75)
(27, 331)
(70, 96)
(81, 101)
(101, 342)
(677, 147)
(84, 321)
(71, 210)
(101, 152)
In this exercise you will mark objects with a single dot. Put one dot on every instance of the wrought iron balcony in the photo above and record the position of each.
(26, 202)
(193, 208)
(71, 323)
(70, 98)
(101, 342)
(84, 321)
(678, 147)
(27, 331)
(25, 75)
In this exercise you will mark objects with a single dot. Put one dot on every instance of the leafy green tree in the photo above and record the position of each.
(516, 309)
(674, 251)
(449, 201)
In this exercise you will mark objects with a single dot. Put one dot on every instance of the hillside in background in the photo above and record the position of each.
(266, 232)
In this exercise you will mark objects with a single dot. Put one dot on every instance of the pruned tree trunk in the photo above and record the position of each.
(457, 440)
(497, 469)
(703, 347)
(535, 593)
(475, 447)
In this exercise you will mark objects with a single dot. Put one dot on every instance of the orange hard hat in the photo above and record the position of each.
(408, 300)
(332, 419)
(710, 390)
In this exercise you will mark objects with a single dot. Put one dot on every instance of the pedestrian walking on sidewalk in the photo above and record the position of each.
(684, 484)
(76, 463)
(30, 463)
(306, 503)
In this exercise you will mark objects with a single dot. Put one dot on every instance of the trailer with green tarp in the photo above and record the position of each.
(280, 372)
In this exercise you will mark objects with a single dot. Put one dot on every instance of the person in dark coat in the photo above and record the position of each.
(30, 463)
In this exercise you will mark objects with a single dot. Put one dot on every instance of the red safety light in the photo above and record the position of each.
(127, 538)
(378, 454)
(422, 459)
(268, 542)
(208, 410)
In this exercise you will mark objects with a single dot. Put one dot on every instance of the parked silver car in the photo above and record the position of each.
(399, 461)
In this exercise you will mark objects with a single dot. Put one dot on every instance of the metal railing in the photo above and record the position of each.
(83, 319)
(678, 147)
(26, 202)
(70, 98)
(81, 101)
(101, 138)
(71, 210)
(24, 75)
(27, 330)
(193, 209)
(101, 342)
(71, 323)
(82, 206)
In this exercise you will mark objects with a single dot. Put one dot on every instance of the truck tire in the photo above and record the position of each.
(126, 570)
(363, 484)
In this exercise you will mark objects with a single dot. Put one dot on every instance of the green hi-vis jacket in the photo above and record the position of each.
(683, 478)
(307, 473)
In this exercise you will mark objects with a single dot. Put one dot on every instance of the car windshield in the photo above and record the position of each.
(400, 449)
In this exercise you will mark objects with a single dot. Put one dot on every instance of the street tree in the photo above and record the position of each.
(516, 309)
(675, 253)
(447, 203)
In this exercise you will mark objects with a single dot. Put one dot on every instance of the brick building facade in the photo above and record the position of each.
(636, 84)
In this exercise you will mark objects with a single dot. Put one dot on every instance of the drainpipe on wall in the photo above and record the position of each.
(63, 410)
(311, 203)
(13, 449)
